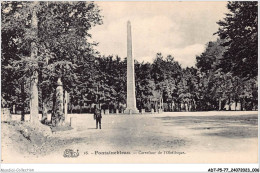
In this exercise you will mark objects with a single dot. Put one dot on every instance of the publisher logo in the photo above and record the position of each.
(70, 153)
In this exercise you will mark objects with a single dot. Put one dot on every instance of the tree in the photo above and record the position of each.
(66, 34)
(19, 48)
(61, 40)
(211, 79)
(239, 29)
(144, 85)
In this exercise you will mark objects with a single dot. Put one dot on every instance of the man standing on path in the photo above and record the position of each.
(97, 116)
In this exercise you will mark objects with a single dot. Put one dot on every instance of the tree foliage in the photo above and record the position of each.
(225, 73)
(240, 30)
(60, 37)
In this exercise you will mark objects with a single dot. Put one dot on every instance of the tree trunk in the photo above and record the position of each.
(118, 104)
(44, 108)
(80, 107)
(13, 109)
(71, 108)
(23, 102)
(219, 104)
(149, 104)
(229, 104)
(162, 104)
(242, 104)
(192, 105)
(66, 99)
(160, 101)
(53, 107)
(44, 112)
(34, 88)
(71, 105)
(34, 111)
(252, 104)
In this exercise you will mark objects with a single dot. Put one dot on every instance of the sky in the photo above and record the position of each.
(180, 29)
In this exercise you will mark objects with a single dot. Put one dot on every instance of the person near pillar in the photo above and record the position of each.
(97, 116)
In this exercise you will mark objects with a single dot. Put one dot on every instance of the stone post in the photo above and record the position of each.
(59, 118)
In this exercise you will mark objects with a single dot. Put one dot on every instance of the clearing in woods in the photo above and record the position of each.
(182, 137)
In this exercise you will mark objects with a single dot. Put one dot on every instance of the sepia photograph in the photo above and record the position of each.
(129, 82)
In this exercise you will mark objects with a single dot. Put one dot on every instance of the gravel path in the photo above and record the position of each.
(190, 137)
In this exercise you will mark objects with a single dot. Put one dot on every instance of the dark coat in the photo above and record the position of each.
(97, 114)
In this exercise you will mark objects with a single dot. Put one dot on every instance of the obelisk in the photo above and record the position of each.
(131, 99)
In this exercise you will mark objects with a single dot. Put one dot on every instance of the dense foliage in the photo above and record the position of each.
(225, 75)
(239, 29)
(45, 41)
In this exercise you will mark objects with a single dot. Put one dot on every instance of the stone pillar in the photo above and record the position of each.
(131, 99)
(59, 97)
(58, 118)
